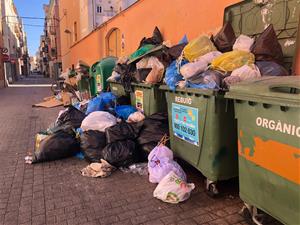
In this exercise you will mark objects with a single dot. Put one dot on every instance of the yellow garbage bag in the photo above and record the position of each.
(198, 47)
(230, 61)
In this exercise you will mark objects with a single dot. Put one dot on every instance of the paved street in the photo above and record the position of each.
(56, 193)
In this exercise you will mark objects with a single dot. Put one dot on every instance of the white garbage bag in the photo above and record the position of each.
(191, 69)
(172, 189)
(98, 120)
(135, 117)
(243, 43)
(241, 74)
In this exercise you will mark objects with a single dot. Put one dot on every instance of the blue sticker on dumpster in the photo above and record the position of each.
(185, 123)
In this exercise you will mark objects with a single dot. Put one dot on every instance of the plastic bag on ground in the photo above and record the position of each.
(172, 76)
(269, 68)
(136, 117)
(120, 153)
(225, 39)
(267, 47)
(122, 131)
(102, 169)
(243, 73)
(92, 143)
(172, 189)
(139, 168)
(124, 111)
(160, 163)
(59, 145)
(230, 61)
(103, 102)
(243, 43)
(198, 47)
(71, 116)
(98, 121)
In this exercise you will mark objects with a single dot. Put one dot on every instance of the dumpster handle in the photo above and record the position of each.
(285, 89)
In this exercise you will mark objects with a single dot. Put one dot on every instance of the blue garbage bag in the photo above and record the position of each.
(184, 40)
(106, 101)
(124, 111)
(173, 76)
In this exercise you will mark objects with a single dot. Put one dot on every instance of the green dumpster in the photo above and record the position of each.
(203, 132)
(148, 98)
(99, 72)
(268, 114)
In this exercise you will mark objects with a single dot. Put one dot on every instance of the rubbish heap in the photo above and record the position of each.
(110, 133)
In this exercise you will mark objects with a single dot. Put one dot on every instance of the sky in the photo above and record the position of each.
(32, 8)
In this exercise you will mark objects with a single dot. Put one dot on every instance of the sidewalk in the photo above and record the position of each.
(56, 193)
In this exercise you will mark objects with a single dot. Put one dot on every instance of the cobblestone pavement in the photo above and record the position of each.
(56, 193)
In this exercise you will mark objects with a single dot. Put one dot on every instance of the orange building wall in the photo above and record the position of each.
(173, 17)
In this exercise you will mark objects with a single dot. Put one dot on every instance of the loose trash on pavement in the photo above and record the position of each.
(172, 189)
(102, 169)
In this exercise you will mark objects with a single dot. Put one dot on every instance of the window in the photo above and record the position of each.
(99, 9)
(75, 31)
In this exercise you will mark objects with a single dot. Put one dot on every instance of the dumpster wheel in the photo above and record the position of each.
(249, 211)
(211, 188)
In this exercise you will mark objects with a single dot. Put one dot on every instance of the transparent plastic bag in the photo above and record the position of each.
(230, 61)
(172, 189)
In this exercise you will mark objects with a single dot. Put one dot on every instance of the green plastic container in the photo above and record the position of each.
(203, 132)
(268, 114)
(148, 98)
(99, 72)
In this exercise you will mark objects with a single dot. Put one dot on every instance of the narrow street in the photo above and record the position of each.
(56, 193)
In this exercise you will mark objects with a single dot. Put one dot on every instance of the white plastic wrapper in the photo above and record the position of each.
(172, 189)
(98, 120)
(243, 43)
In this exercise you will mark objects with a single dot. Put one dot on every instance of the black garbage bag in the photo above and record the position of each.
(266, 47)
(126, 72)
(123, 100)
(269, 68)
(201, 78)
(59, 145)
(156, 38)
(123, 131)
(72, 117)
(176, 50)
(154, 128)
(92, 144)
(120, 153)
(224, 40)
(141, 74)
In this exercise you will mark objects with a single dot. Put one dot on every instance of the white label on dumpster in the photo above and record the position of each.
(183, 100)
(278, 126)
(185, 123)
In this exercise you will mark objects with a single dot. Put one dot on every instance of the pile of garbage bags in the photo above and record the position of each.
(111, 136)
(214, 62)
